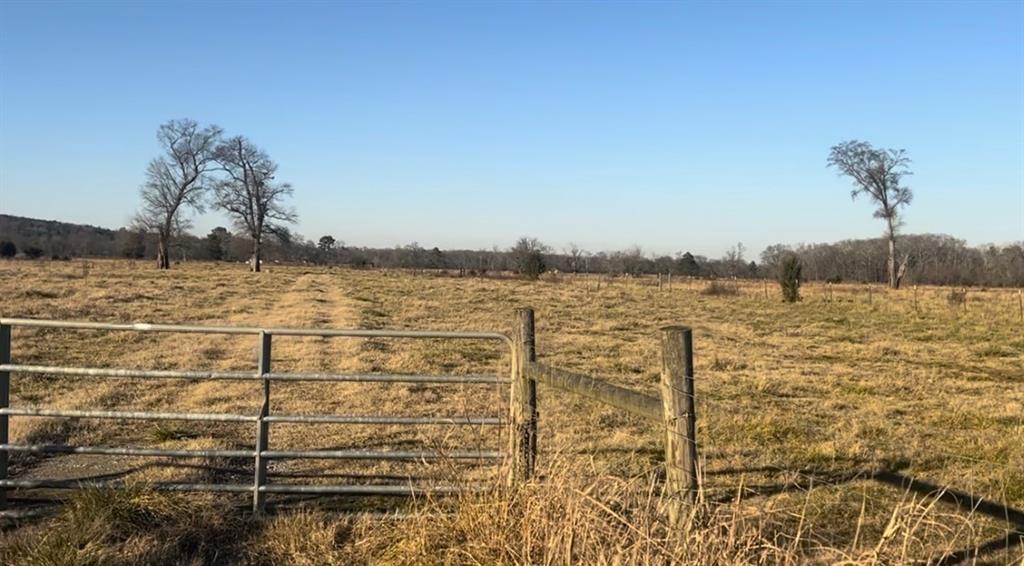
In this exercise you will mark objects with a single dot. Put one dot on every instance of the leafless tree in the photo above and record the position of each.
(176, 180)
(878, 174)
(249, 193)
(576, 256)
(733, 260)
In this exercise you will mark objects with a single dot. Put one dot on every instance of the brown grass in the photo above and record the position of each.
(716, 288)
(806, 412)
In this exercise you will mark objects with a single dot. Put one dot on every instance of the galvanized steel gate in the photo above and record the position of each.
(261, 452)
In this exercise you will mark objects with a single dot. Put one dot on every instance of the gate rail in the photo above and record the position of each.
(261, 452)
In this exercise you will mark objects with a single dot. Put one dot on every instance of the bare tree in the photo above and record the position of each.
(250, 195)
(878, 173)
(733, 259)
(176, 180)
(576, 255)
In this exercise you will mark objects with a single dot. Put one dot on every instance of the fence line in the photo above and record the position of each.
(673, 409)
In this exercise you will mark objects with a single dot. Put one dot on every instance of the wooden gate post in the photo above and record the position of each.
(677, 401)
(523, 398)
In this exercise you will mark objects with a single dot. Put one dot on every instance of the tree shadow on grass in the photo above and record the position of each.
(806, 479)
(1013, 518)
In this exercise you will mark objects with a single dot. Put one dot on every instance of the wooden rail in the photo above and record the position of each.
(634, 402)
(673, 409)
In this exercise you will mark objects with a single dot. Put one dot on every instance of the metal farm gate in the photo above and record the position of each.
(261, 451)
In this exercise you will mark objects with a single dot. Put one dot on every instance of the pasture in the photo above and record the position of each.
(866, 426)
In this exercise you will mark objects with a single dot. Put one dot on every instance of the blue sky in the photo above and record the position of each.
(672, 126)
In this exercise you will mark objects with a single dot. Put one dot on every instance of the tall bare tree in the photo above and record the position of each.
(878, 173)
(249, 193)
(576, 255)
(176, 180)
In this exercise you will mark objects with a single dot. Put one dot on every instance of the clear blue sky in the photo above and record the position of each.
(673, 126)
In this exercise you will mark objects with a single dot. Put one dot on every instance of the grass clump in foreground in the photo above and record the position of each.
(122, 526)
(604, 521)
(566, 518)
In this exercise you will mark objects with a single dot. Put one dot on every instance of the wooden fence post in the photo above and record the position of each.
(677, 401)
(259, 498)
(5, 399)
(523, 410)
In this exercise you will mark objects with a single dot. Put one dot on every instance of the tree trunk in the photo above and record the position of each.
(894, 281)
(163, 257)
(901, 271)
(254, 263)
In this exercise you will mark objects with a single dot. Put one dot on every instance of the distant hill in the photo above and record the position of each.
(57, 238)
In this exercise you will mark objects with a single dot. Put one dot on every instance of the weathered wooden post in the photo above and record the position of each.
(5, 401)
(1020, 302)
(259, 498)
(523, 410)
(677, 401)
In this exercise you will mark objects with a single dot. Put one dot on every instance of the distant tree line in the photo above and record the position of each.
(931, 259)
(198, 167)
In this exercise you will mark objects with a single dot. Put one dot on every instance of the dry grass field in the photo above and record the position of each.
(855, 426)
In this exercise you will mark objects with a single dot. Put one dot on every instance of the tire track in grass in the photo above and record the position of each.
(377, 307)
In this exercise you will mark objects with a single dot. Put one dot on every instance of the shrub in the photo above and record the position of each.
(8, 249)
(32, 252)
(717, 288)
(528, 258)
(789, 278)
(957, 297)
